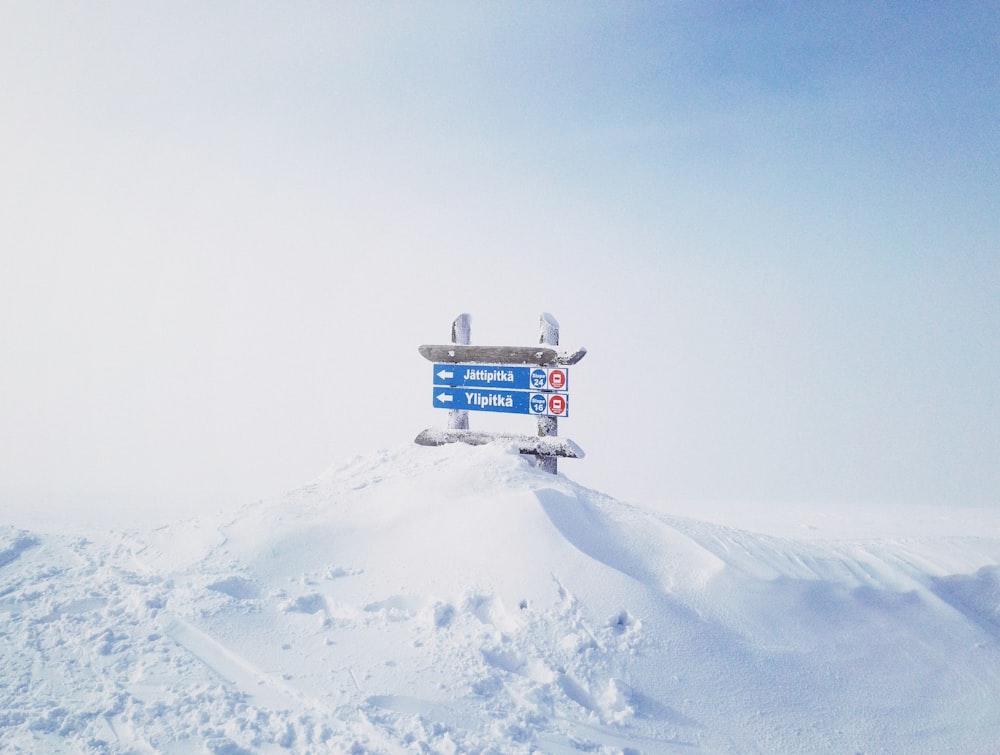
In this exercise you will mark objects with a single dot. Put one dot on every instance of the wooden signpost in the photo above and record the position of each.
(532, 380)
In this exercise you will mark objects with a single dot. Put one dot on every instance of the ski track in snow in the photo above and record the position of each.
(458, 600)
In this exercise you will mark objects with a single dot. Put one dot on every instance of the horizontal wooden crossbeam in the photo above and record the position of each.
(546, 445)
(454, 353)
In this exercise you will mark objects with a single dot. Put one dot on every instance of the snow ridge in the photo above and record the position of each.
(458, 600)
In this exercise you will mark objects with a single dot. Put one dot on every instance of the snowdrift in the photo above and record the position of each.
(458, 600)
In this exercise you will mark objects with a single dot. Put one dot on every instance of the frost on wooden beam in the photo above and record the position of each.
(540, 355)
(526, 444)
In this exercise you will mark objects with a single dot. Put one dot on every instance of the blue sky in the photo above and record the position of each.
(226, 228)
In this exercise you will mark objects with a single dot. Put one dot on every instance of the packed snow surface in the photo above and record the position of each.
(459, 600)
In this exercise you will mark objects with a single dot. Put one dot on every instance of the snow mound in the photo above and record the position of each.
(458, 600)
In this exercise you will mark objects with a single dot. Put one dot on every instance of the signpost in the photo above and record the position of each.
(508, 402)
(502, 376)
(531, 380)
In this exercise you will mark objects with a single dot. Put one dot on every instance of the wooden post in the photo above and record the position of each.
(461, 333)
(548, 333)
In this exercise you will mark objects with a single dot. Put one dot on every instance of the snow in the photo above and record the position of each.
(457, 599)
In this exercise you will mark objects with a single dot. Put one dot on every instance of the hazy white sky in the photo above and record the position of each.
(226, 227)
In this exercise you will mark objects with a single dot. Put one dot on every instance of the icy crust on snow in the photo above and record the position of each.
(458, 600)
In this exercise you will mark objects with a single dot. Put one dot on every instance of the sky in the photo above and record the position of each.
(225, 228)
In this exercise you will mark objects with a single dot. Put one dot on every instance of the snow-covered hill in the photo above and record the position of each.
(458, 600)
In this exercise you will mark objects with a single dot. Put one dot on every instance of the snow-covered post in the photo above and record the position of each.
(461, 333)
(548, 333)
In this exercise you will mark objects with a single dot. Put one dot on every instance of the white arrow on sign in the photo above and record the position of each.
(443, 397)
(444, 374)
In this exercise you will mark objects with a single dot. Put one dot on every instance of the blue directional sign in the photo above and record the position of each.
(495, 376)
(507, 401)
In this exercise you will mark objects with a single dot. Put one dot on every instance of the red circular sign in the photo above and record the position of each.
(557, 405)
(557, 379)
